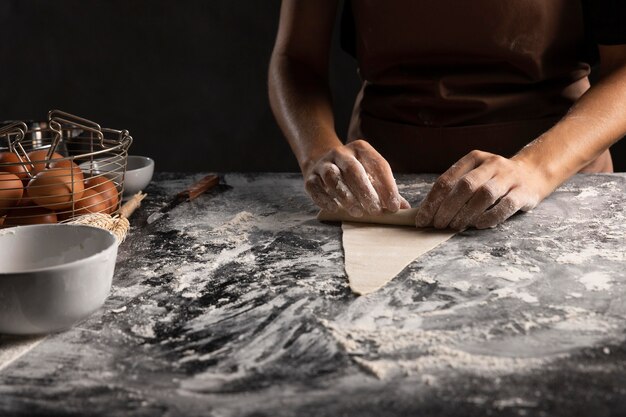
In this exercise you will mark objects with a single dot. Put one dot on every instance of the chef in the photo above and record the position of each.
(492, 94)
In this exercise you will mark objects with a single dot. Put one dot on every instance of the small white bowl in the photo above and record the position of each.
(52, 276)
(139, 171)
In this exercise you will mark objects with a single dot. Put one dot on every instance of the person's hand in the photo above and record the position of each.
(482, 190)
(356, 177)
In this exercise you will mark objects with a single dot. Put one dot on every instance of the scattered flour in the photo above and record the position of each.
(513, 402)
(513, 274)
(511, 292)
(190, 278)
(596, 281)
(407, 352)
(462, 286)
(342, 189)
(427, 279)
(426, 345)
(588, 193)
(585, 255)
(234, 230)
(150, 314)
(239, 218)
(478, 256)
(143, 330)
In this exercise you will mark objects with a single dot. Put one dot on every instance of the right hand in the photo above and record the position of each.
(353, 176)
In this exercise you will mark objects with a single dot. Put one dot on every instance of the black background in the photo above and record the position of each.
(186, 77)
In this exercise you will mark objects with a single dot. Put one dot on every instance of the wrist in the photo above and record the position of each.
(311, 156)
(543, 167)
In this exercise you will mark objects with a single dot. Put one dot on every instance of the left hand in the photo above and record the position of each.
(482, 190)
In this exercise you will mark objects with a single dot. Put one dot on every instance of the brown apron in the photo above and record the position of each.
(444, 77)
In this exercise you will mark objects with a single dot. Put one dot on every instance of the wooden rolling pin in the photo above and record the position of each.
(403, 217)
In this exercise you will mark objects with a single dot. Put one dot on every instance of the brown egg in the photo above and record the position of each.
(107, 189)
(38, 158)
(66, 163)
(10, 158)
(92, 202)
(28, 213)
(54, 188)
(11, 190)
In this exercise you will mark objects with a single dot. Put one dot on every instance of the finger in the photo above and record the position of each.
(316, 190)
(486, 196)
(463, 191)
(505, 208)
(469, 162)
(381, 177)
(337, 189)
(357, 180)
(444, 185)
(404, 204)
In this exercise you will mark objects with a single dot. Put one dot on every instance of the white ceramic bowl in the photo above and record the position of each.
(139, 170)
(52, 276)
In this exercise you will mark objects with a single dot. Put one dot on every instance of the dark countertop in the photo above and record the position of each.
(237, 304)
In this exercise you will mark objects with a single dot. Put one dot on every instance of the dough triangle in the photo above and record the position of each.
(375, 254)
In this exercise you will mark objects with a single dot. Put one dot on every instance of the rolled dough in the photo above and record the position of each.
(377, 248)
(404, 217)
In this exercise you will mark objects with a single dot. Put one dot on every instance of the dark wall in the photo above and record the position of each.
(186, 77)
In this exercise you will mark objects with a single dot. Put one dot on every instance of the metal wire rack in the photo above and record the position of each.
(59, 169)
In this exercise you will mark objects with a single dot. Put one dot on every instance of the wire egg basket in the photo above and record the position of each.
(59, 169)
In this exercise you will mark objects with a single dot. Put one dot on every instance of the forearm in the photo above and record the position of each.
(483, 189)
(595, 122)
(301, 101)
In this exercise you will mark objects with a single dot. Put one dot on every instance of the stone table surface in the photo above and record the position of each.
(237, 304)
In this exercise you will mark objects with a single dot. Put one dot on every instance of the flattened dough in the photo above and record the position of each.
(375, 254)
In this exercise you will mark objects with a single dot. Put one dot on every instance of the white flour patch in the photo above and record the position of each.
(428, 352)
(234, 230)
(587, 254)
(190, 278)
(238, 219)
(478, 256)
(588, 193)
(149, 315)
(596, 281)
(513, 274)
(511, 292)
(421, 277)
(589, 323)
(143, 330)
(462, 286)
(513, 402)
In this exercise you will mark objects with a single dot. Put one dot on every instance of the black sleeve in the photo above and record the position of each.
(606, 21)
